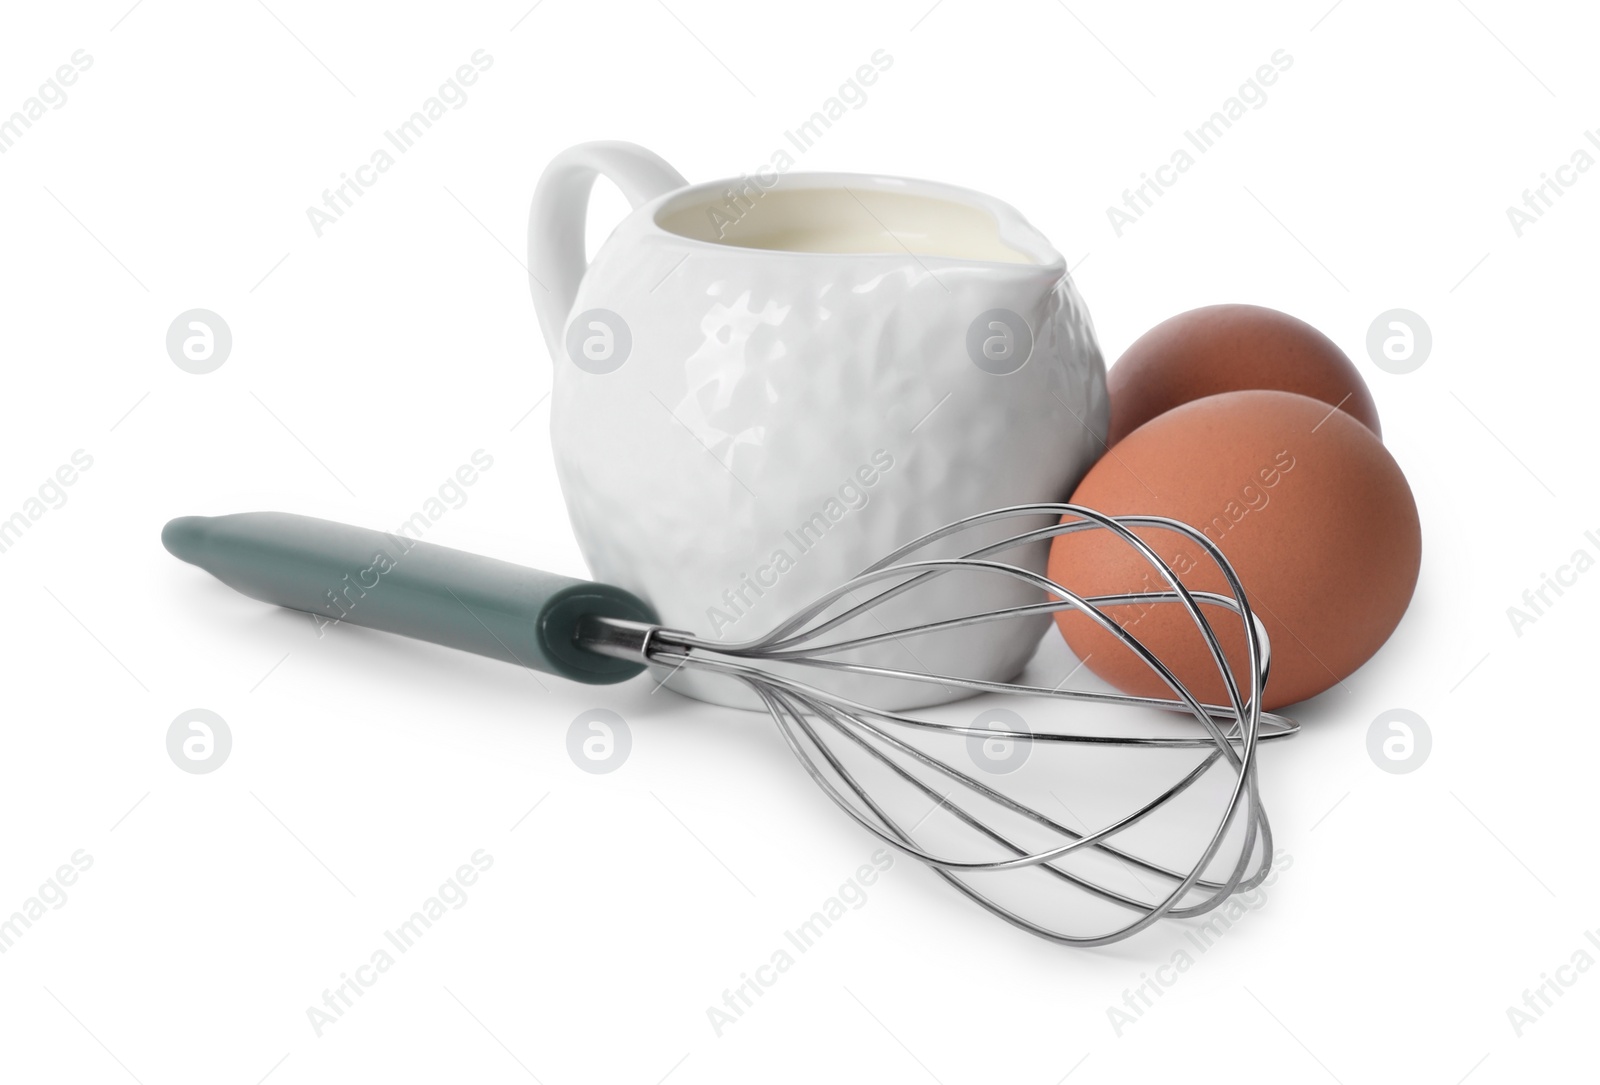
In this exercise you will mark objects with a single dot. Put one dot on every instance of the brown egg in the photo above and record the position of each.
(1230, 348)
(1305, 503)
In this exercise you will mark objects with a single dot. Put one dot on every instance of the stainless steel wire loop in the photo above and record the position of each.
(1088, 884)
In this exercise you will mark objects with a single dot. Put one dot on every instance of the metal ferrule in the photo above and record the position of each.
(619, 638)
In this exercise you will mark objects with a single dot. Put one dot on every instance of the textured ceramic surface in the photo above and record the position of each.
(780, 420)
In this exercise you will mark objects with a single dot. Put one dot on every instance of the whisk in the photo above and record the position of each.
(1175, 845)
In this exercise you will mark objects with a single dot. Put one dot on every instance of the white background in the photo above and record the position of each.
(369, 363)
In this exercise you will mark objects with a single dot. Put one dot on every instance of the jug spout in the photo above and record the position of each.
(556, 260)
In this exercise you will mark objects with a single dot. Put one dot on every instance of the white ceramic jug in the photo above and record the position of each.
(762, 386)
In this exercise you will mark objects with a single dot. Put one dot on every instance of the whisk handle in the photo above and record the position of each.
(343, 574)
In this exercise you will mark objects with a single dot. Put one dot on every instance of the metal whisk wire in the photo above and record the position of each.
(825, 729)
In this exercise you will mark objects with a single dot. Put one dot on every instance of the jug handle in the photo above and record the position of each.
(556, 260)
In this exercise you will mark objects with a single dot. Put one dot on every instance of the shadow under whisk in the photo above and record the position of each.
(1084, 830)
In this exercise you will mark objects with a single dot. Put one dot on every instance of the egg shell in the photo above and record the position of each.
(1307, 505)
(1230, 348)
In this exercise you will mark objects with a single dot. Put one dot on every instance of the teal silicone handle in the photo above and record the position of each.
(338, 573)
